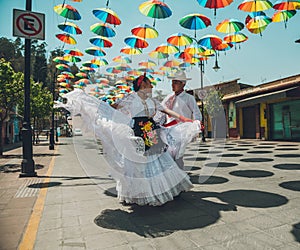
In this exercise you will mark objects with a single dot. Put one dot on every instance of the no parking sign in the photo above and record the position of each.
(27, 24)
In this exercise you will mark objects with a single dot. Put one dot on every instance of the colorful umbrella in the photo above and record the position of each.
(66, 38)
(167, 48)
(83, 81)
(69, 74)
(102, 29)
(210, 41)
(107, 16)
(147, 64)
(224, 46)
(136, 42)
(70, 28)
(179, 39)
(101, 41)
(194, 49)
(144, 31)
(99, 62)
(122, 59)
(90, 64)
(155, 9)
(258, 24)
(183, 55)
(86, 69)
(287, 5)
(131, 51)
(62, 66)
(283, 16)
(123, 67)
(195, 22)
(67, 11)
(255, 5)
(73, 52)
(230, 26)
(214, 4)
(95, 51)
(172, 63)
(113, 70)
(71, 58)
(60, 59)
(82, 75)
(157, 54)
(237, 37)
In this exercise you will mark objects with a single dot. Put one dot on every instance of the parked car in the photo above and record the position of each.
(77, 131)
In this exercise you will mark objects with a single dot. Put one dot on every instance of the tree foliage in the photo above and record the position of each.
(11, 86)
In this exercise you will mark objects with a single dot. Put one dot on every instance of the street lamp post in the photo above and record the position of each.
(51, 136)
(202, 104)
(27, 165)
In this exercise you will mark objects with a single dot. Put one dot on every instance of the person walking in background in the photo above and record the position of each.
(135, 145)
(181, 102)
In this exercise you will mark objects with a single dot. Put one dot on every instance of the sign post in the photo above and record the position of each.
(30, 26)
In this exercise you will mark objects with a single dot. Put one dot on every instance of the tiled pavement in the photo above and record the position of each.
(246, 196)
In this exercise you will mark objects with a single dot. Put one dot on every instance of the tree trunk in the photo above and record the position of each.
(1, 143)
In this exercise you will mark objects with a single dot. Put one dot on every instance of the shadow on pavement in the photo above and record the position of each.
(192, 210)
(12, 168)
(291, 185)
(296, 231)
(251, 173)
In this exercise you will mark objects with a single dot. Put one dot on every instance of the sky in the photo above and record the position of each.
(259, 60)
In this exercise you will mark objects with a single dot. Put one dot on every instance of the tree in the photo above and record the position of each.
(11, 86)
(215, 110)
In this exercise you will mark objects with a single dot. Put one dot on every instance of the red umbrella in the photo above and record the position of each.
(73, 52)
(214, 4)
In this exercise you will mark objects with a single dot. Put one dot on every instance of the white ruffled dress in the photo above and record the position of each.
(144, 179)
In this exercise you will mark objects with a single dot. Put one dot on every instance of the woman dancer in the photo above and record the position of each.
(135, 146)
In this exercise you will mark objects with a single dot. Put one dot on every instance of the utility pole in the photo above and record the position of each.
(27, 165)
(202, 104)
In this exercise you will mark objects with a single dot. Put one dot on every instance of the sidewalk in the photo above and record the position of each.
(250, 201)
(17, 199)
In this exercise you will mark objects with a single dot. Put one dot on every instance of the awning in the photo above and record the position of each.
(284, 93)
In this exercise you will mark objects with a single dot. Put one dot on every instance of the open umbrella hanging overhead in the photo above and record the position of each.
(229, 26)
(95, 51)
(210, 41)
(131, 51)
(155, 9)
(107, 16)
(71, 58)
(136, 42)
(144, 31)
(66, 38)
(283, 16)
(122, 59)
(258, 24)
(214, 4)
(179, 39)
(167, 48)
(73, 52)
(102, 29)
(287, 5)
(70, 28)
(195, 22)
(67, 11)
(255, 5)
(101, 41)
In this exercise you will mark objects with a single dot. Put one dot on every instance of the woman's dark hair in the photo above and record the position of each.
(137, 82)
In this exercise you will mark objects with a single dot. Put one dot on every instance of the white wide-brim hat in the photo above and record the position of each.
(180, 76)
